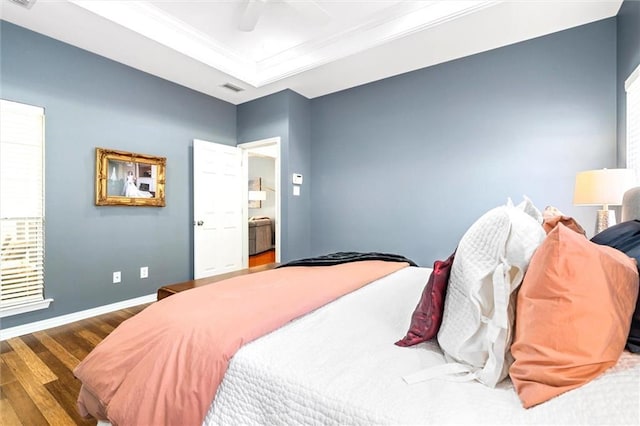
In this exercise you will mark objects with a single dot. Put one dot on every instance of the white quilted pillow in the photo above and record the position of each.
(489, 266)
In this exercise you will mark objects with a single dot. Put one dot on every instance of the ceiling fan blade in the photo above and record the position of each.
(251, 15)
(310, 10)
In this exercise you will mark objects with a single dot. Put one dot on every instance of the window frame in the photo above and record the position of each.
(26, 223)
(632, 127)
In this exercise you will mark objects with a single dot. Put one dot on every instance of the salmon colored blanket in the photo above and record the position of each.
(164, 365)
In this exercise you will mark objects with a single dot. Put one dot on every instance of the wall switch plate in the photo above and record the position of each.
(144, 272)
(117, 277)
(296, 190)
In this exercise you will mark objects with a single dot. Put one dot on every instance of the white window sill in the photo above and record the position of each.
(25, 307)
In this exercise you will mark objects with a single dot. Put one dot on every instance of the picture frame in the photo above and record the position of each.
(129, 179)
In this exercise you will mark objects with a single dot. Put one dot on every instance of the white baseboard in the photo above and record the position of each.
(76, 316)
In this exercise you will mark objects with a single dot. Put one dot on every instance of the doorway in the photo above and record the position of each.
(261, 168)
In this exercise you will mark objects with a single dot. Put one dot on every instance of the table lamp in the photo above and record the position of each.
(257, 195)
(604, 187)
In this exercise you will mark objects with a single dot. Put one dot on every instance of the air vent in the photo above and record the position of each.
(232, 87)
(25, 3)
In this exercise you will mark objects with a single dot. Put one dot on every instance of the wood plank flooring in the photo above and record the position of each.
(37, 386)
(263, 258)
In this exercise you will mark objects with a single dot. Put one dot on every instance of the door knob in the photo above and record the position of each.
(200, 223)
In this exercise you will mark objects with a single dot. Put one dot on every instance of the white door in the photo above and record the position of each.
(217, 208)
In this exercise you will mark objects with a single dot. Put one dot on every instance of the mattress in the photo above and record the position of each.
(338, 365)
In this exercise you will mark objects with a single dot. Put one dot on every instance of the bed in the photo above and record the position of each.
(336, 363)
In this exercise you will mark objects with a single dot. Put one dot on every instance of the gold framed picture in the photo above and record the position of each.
(129, 179)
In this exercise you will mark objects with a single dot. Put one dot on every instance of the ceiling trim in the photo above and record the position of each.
(395, 25)
(157, 25)
(396, 22)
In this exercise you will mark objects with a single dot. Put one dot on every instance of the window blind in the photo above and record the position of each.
(632, 87)
(21, 204)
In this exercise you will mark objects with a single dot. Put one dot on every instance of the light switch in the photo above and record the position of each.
(296, 190)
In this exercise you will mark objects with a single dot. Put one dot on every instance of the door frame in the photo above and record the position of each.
(246, 147)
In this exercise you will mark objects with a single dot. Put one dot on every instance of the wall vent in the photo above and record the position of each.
(232, 87)
(25, 3)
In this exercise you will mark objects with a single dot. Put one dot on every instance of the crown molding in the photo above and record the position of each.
(390, 24)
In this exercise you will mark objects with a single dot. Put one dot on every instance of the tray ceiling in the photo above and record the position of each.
(312, 47)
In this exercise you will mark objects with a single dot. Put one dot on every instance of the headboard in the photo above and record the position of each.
(631, 205)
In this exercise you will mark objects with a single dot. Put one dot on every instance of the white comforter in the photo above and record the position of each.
(338, 365)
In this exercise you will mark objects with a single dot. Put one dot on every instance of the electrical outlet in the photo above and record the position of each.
(117, 277)
(144, 272)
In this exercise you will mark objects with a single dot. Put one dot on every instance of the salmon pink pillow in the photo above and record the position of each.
(427, 317)
(572, 317)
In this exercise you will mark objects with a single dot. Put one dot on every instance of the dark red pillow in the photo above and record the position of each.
(427, 317)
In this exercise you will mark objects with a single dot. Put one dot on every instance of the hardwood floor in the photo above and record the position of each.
(263, 258)
(37, 386)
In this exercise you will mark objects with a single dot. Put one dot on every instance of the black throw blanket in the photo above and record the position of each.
(346, 257)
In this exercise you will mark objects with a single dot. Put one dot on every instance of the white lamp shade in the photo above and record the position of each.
(257, 195)
(602, 187)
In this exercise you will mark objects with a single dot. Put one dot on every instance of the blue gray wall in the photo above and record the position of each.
(408, 163)
(299, 222)
(628, 20)
(94, 102)
(285, 114)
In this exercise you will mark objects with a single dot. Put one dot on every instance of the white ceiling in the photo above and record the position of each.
(313, 49)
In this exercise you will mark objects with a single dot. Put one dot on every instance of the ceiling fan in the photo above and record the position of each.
(310, 10)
